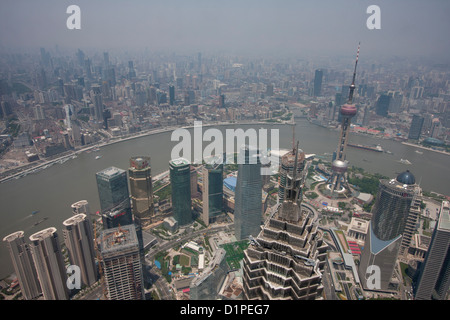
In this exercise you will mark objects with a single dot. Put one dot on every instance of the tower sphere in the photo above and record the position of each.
(348, 110)
(339, 166)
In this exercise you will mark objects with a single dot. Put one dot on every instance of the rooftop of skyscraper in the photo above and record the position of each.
(75, 219)
(110, 172)
(41, 235)
(179, 162)
(119, 238)
(13, 236)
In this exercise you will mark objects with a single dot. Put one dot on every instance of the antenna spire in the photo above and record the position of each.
(352, 86)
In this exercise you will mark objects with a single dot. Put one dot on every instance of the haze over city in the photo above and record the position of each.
(298, 28)
(224, 151)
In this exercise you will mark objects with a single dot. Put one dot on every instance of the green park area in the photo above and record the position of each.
(235, 253)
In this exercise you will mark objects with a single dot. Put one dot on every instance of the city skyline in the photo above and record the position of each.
(92, 121)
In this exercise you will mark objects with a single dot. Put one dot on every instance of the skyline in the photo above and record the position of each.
(408, 28)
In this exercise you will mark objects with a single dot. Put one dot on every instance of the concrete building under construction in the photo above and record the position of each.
(121, 263)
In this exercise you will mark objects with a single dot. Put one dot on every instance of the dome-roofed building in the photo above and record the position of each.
(406, 178)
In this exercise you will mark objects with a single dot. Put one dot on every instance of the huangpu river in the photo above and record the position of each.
(53, 190)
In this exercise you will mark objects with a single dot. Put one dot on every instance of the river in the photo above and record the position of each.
(53, 190)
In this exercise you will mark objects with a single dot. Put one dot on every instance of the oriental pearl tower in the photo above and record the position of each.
(337, 182)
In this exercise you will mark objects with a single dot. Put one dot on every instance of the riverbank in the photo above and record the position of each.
(41, 165)
(425, 148)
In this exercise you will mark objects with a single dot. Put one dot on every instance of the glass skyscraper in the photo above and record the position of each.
(112, 187)
(141, 191)
(389, 217)
(180, 180)
(248, 196)
(212, 192)
(318, 83)
(416, 127)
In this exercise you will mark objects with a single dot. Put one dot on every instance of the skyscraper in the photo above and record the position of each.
(79, 240)
(389, 217)
(212, 192)
(97, 99)
(141, 190)
(434, 278)
(49, 263)
(248, 195)
(121, 263)
(337, 182)
(286, 260)
(416, 127)
(23, 265)
(382, 106)
(172, 95)
(112, 185)
(180, 180)
(287, 167)
(318, 83)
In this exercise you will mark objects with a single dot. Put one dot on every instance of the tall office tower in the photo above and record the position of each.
(79, 240)
(286, 260)
(435, 128)
(248, 195)
(416, 127)
(390, 215)
(141, 191)
(382, 106)
(172, 95)
(180, 180)
(23, 265)
(97, 99)
(222, 101)
(337, 182)
(286, 168)
(208, 284)
(318, 83)
(49, 263)
(212, 192)
(131, 71)
(112, 185)
(121, 263)
(434, 278)
(87, 68)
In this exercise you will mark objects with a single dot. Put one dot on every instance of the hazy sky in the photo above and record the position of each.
(408, 27)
